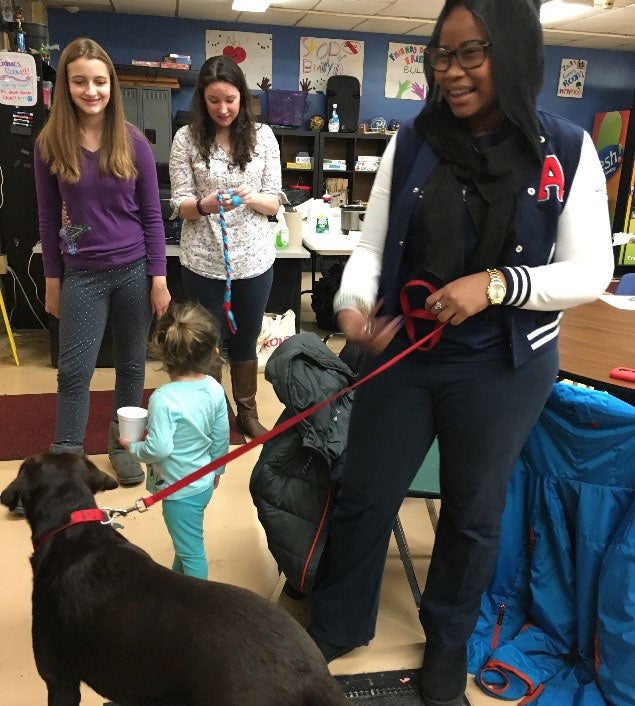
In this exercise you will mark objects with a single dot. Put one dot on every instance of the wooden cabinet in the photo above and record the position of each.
(292, 142)
(350, 147)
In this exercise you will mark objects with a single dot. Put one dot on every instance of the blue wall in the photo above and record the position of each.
(610, 79)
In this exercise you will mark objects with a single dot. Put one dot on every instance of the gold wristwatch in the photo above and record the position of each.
(497, 288)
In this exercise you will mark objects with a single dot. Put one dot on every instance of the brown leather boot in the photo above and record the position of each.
(217, 374)
(244, 376)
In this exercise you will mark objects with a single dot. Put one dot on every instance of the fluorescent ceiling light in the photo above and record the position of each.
(250, 5)
(558, 10)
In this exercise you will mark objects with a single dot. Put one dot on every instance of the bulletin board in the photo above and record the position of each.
(18, 79)
(321, 58)
(250, 50)
(404, 72)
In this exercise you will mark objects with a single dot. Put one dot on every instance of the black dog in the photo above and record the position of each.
(106, 614)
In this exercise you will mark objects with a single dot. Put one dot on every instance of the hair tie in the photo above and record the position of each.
(227, 301)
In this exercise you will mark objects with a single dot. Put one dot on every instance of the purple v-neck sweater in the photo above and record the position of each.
(110, 222)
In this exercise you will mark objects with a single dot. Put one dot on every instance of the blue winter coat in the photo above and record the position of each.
(557, 623)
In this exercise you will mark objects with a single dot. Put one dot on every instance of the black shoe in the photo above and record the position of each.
(443, 676)
(331, 652)
(459, 701)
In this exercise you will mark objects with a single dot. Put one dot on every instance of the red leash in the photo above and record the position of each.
(423, 344)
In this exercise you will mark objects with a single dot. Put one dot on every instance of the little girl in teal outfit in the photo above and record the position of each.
(187, 428)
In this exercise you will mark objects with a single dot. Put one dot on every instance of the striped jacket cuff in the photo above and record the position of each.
(518, 285)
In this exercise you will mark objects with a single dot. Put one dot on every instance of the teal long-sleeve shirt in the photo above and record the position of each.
(187, 429)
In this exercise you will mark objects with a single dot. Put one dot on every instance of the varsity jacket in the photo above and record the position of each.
(562, 256)
(556, 622)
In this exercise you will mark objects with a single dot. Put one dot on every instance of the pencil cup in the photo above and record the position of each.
(132, 422)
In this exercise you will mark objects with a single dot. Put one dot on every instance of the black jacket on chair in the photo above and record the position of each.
(294, 481)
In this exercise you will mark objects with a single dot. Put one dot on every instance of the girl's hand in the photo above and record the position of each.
(244, 192)
(460, 299)
(124, 442)
(216, 481)
(370, 332)
(159, 296)
(52, 296)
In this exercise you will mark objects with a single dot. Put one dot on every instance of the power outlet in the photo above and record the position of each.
(4, 265)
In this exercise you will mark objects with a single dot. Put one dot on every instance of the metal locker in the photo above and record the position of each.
(156, 106)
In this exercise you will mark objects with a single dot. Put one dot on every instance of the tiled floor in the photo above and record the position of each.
(237, 547)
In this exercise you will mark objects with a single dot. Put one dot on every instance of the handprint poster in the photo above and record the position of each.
(321, 58)
(250, 50)
(404, 72)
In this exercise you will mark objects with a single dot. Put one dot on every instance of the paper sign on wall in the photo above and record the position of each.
(250, 50)
(404, 72)
(321, 58)
(18, 79)
(571, 81)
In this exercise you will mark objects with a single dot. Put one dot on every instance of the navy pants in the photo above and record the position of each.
(482, 413)
(88, 297)
(249, 300)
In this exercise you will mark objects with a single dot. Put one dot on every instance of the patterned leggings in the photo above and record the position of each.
(88, 298)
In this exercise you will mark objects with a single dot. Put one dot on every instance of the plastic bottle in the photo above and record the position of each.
(281, 231)
(334, 120)
(322, 215)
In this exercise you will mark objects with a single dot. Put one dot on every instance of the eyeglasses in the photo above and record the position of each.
(469, 55)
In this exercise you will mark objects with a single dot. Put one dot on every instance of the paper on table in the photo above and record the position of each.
(619, 301)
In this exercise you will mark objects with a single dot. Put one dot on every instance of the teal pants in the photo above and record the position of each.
(184, 520)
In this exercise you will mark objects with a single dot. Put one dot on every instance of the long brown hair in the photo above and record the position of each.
(59, 139)
(242, 131)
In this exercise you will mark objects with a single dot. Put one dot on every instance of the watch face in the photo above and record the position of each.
(496, 293)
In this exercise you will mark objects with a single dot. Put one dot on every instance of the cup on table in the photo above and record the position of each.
(132, 422)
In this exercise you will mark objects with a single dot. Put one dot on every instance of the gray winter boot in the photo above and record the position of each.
(128, 469)
(65, 449)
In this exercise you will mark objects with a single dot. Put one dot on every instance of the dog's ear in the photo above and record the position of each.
(16, 490)
(97, 480)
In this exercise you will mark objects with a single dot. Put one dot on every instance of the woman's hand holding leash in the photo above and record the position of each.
(459, 299)
(369, 331)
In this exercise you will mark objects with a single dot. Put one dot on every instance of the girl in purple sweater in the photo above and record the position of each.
(103, 242)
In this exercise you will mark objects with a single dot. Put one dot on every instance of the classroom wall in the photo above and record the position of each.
(610, 78)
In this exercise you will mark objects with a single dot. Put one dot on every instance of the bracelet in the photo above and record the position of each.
(199, 207)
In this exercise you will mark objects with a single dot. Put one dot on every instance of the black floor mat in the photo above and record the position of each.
(398, 688)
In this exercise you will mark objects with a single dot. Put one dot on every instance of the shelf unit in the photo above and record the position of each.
(291, 142)
(154, 74)
(349, 146)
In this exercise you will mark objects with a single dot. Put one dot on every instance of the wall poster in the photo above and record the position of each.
(250, 50)
(18, 79)
(321, 58)
(571, 81)
(404, 72)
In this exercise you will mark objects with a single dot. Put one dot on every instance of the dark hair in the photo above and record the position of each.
(242, 131)
(185, 339)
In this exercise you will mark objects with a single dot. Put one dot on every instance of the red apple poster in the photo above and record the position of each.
(250, 50)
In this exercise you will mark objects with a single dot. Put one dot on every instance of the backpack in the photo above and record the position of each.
(323, 294)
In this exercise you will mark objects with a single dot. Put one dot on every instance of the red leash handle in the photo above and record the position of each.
(411, 314)
(424, 343)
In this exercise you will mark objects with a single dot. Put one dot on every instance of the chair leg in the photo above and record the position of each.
(406, 560)
(432, 511)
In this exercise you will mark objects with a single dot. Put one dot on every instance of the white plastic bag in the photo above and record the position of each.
(276, 328)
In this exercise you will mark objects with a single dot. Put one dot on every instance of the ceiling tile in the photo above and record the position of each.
(425, 9)
(423, 30)
(617, 21)
(328, 22)
(146, 7)
(273, 16)
(208, 10)
(357, 7)
(295, 4)
(383, 26)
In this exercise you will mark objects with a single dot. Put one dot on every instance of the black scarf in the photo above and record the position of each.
(492, 178)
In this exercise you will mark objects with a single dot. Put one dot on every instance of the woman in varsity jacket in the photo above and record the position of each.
(502, 210)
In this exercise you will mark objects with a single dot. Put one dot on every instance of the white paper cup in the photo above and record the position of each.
(132, 422)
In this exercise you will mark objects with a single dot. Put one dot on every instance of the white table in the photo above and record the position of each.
(287, 278)
(331, 244)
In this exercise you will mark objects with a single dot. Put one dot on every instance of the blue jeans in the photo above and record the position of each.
(184, 520)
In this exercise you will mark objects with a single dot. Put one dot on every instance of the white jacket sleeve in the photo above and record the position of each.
(360, 279)
(582, 262)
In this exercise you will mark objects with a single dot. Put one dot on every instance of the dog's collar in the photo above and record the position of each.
(92, 515)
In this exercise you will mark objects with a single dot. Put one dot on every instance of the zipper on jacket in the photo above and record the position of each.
(497, 627)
